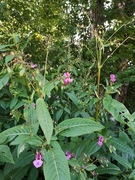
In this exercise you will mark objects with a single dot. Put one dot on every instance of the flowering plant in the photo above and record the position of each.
(72, 126)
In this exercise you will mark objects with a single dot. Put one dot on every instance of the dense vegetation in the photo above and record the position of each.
(67, 88)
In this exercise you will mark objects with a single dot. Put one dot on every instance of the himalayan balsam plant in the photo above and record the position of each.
(86, 145)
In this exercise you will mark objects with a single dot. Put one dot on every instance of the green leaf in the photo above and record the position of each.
(4, 81)
(122, 161)
(117, 109)
(21, 166)
(93, 147)
(32, 140)
(82, 176)
(120, 145)
(30, 114)
(132, 175)
(59, 114)
(13, 102)
(49, 86)
(21, 172)
(33, 175)
(9, 58)
(56, 165)
(21, 148)
(5, 47)
(110, 169)
(15, 131)
(73, 98)
(91, 167)
(44, 119)
(77, 127)
(5, 154)
(1, 175)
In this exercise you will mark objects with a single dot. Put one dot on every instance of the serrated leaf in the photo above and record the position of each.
(120, 145)
(9, 134)
(44, 119)
(78, 126)
(110, 169)
(56, 166)
(5, 154)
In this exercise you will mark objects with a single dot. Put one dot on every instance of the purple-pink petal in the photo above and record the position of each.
(32, 65)
(100, 143)
(67, 75)
(112, 78)
(37, 163)
(101, 138)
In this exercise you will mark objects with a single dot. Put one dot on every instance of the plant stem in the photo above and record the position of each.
(99, 55)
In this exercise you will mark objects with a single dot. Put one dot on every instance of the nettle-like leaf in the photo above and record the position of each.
(117, 109)
(122, 161)
(5, 154)
(120, 145)
(13, 132)
(109, 169)
(44, 119)
(78, 126)
(56, 165)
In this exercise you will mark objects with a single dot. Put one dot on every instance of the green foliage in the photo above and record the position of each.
(82, 130)
(56, 161)
(77, 127)
(109, 169)
(44, 119)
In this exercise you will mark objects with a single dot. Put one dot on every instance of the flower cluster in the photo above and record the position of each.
(112, 78)
(38, 160)
(100, 140)
(67, 79)
(69, 155)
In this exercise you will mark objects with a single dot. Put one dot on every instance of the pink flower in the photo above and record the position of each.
(100, 143)
(67, 79)
(69, 155)
(67, 75)
(100, 140)
(112, 78)
(38, 160)
(32, 65)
